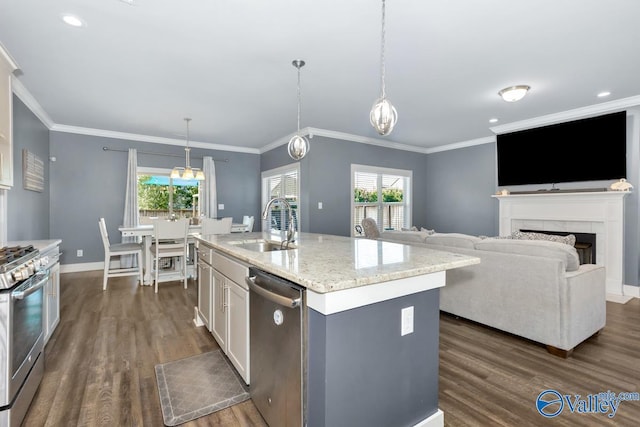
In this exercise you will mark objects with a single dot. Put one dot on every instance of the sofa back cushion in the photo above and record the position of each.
(405, 236)
(565, 253)
(456, 240)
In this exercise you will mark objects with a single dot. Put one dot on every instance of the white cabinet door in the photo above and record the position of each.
(219, 311)
(52, 304)
(238, 328)
(205, 297)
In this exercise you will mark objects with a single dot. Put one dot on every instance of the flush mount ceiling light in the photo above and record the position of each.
(514, 93)
(383, 116)
(187, 172)
(72, 20)
(298, 145)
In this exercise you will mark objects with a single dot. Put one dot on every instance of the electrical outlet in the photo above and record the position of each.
(319, 205)
(407, 321)
(220, 206)
(80, 253)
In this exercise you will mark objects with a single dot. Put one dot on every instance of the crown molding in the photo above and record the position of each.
(462, 144)
(343, 136)
(13, 65)
(577, 113)
(148, 138)
(32, 104)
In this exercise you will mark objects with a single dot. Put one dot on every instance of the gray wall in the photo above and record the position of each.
(88, 183)
(326, 177)
(458, 187)
(28, 211)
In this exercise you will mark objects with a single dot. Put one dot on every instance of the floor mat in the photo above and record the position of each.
(197, 386)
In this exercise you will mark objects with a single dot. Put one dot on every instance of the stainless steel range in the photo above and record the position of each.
(22, 282)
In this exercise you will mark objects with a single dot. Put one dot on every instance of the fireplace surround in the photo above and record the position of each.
(598, 212)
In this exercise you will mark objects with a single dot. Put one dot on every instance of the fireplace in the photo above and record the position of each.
(600, 213)
(585, 243)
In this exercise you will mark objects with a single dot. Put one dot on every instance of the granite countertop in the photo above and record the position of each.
(326, 263)
(41, 245)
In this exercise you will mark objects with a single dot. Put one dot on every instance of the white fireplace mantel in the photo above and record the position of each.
(597, 212)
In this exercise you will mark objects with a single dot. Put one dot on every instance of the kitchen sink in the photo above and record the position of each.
(263, 246)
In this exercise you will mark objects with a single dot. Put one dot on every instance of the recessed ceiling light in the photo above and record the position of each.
(72, 20)
(494, 120)
(604, 94)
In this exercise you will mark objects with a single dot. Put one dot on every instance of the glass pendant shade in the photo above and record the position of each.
(187, 174)
(298, 147)
(200, 175)
(383, 116)
(175, 173)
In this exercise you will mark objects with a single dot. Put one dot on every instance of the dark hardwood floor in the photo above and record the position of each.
(100, 363)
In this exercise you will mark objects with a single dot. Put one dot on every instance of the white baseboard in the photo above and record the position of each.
(632, 291)
(84, 266)
(435, 420)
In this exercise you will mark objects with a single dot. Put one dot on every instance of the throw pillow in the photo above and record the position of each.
(429, 232)
(568, 240)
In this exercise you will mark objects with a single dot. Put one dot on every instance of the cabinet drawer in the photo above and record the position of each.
(232, 269)
(205, 253)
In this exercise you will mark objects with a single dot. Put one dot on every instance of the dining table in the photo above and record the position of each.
(145, 232)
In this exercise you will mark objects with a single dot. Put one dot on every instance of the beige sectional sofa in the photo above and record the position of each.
(532, 288)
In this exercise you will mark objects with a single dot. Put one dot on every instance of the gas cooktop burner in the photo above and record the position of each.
(17, 263)
(10, 253)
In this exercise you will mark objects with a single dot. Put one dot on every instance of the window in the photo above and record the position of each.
(282, 182)
(160, 196)
(382, 194)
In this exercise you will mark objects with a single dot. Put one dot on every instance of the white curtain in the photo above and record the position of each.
(208, 197)
(130, 206)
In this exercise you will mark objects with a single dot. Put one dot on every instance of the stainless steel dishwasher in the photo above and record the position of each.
(277, 342)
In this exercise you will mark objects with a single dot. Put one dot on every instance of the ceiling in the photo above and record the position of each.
(140, 68)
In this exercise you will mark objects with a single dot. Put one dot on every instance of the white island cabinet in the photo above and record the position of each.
(223, 304)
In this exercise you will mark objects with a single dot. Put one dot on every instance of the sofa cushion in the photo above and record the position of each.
(404, 236)
(569, 239)
(456, 240)
(565, 253)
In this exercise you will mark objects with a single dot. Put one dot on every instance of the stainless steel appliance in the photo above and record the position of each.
(22, 282)
(277, 341)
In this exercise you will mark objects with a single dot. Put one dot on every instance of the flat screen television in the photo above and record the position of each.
(592, 149)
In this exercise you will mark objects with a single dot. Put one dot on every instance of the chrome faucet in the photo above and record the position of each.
(291, 229)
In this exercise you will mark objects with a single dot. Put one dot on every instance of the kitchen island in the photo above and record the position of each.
(371, 328)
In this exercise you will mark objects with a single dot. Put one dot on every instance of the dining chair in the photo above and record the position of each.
(117, 250)
(216, 226)
(170, 241)
(248, 221)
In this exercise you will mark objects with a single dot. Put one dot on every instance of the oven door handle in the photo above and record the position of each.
(20, 294)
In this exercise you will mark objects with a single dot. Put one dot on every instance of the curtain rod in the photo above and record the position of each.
(158, 154)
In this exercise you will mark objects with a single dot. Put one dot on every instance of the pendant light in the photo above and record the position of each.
(383, 115)
(187, 172)
(298, 145)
